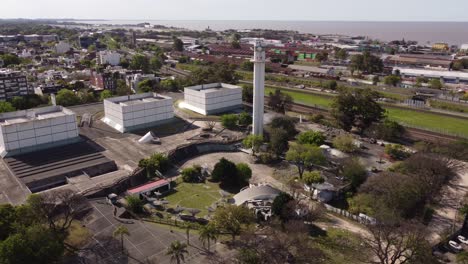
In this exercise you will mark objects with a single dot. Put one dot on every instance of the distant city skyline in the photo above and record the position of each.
(297, 10)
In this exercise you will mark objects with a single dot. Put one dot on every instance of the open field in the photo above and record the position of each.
(423, 120)
(195, 195)
(305, 98)
(341, 246)
(433, 122)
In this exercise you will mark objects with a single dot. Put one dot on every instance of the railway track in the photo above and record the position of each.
(415, 134)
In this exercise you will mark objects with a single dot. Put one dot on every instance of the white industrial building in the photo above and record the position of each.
(446, 76)
(109, 57)
(212, 98)
(138, 111)
(35, 129)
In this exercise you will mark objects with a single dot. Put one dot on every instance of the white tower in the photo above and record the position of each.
(259, 88)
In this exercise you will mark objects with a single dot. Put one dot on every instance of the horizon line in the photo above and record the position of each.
(278, 20)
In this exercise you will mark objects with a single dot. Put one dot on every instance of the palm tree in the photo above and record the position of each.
(177, 251)
(207, 234)
(121, 231)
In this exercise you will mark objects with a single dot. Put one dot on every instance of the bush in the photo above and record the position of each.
(311, 137)
(244, 172)
(396, 151)
(224, 171)
(134, 204)
(66, 97)
(192, 174)
(266, 158)
(345, 143)
(244, 119)
(313, 177)
(316, 118)
(286, 123)
(156, 162)
(387, 130)
(229, 121)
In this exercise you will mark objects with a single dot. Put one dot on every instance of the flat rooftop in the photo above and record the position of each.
(137, 99)
(25, 116)
(213, 87)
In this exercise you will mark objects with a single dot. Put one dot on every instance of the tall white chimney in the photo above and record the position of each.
(259, 88)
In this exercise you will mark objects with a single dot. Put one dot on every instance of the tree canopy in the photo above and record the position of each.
(366, 63)
(357, 109)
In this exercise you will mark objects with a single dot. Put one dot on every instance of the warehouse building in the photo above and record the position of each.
(134, 112)
(213, 98)
(36, 129)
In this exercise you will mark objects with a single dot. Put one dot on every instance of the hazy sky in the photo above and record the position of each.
(362, 10)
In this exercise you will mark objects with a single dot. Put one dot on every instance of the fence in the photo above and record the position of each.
(361, 218)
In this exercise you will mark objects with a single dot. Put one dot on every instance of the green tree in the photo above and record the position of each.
(279, 101)
(122, 88)
(244, 172)
(121, 231)
(331, 85)
(248, 256)
(247, 66)
(105, 94)
(192, 174)
(388, 130)
(341, 54)
(396, 151)
(392, 80)
(225, 172)
(247, 93)
(278, 140)
(177, 251)
(232, 219)
(304, 156)
(86, 96)
(145, 86)
(345, 143)
(6, 107)
(178, 45)
(253, 142)
(134, 204)
(313, 177)
(207, 234)
(229, 121)
(140, 62)
(156, 162)
(170, 85)
(34, 244)
(278, 207)
(436, 84)
(245, 119)
(155, 63)
(354, 172)
(358, 109)
(285, 122)
(66, 97)
(10, 59)
(311, 137)
(366, 63)
(321, 56)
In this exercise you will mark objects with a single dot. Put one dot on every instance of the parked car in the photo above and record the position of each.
(462, 239)
(455, 246)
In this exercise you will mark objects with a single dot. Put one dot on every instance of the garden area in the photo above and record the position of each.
(195, 195)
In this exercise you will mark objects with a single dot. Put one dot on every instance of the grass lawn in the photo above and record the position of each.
(341, 246)
(195, 195)
(78, 235)
(430, 121)
(423, 120)
(305, 98)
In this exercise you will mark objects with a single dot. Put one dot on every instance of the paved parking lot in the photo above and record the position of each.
(147, 242)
